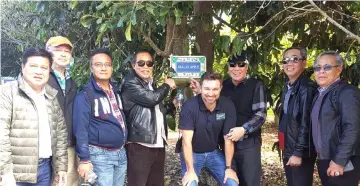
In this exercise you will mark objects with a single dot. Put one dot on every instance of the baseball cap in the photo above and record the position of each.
(237, 58)
(58, 40)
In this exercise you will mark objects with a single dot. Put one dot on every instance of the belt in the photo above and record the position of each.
(41, 160)
(108, 149)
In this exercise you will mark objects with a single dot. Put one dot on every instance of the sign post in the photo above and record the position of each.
(187, 67)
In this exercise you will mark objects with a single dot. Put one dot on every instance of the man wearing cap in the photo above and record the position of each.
(61, 49)
(249, 97)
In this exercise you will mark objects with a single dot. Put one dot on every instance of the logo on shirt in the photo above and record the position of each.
(220, 116)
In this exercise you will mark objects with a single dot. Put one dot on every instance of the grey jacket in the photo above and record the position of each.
(19, 153)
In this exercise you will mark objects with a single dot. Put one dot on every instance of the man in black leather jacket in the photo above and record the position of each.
(145, 117)
(296, 100)
(335, 119)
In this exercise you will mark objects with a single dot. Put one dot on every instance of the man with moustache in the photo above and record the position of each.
(249, 97)
(33, 134)
(294, 139)
(335, 123)
(203, 119)
(99, 125)
(145, 116)
(61, 49)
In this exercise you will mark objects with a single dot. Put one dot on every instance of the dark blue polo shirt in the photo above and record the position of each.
(209, 127)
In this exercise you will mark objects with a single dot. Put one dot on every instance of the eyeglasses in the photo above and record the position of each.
(291, 60)
(325, 67)
(239, 64)
(142, 63)
(100, 65)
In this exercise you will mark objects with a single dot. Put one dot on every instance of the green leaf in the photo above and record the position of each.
(40, 7)
(164, 11)
(178, 14)
(133, 19)
(103, 27)
(101, 6)
(86, 20)
(73, 4)
(138, 7)
(150, 10)
(99, 37)
(128, 32)
(99, 21)
(120, 23)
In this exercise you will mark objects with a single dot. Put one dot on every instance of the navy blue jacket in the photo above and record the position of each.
(96, 126)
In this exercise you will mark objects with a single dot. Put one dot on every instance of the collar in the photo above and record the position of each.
(203, 107)
(230, 82)
(98, 88)
(31, 91)
(322, 89)
(57, 74)
(47, 90)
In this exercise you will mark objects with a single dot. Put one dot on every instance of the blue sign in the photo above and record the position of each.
(188, 67)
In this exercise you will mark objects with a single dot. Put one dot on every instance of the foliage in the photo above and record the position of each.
(261, 28)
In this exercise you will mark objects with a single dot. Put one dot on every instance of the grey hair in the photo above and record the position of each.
(338, 59)
(303, 51)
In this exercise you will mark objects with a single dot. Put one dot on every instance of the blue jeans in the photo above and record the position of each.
(109, 166)
(44, 174)
(213, 161)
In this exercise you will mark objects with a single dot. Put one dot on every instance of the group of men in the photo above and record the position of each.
(54, 134)
(316, 122)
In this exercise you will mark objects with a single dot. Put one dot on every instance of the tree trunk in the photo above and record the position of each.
(204, 35)
(204, 31)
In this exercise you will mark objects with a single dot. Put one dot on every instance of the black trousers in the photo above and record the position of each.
(248, 165)
(301, 175)
(145, 165)
(350, 178)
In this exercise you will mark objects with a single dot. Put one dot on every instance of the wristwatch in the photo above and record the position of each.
(228, 167)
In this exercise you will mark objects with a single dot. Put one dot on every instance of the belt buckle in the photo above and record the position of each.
(41, 160)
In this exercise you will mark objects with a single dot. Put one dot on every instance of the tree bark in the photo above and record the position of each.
(204, 31)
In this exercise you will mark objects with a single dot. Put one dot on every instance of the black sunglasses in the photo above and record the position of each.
(325, 67)
(142, 63)
(239, 64)
(291, 60)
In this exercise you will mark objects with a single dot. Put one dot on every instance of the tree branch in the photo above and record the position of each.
(148, 40)
(351, 35)
(225, 23)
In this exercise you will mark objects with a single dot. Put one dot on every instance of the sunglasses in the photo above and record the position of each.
(325, 67)
(291, 60)
(240, 64)
(142, 63)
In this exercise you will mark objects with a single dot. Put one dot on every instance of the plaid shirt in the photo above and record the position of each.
(259, 108)
(115, 107)
(62, 81)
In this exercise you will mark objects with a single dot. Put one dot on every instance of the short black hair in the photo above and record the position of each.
(211, 76)
(141, 51)
(30, 52)
(101, 51)
(303, 51)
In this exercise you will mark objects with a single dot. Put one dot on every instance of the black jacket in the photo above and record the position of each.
(297, 139)
(340, 123)
(66, 102)
(139, 106)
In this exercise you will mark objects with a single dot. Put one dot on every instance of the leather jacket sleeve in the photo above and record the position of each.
(349, 108)
(302, 142)
(146, 97)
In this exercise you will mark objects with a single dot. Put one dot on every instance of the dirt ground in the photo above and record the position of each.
(273, 174)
